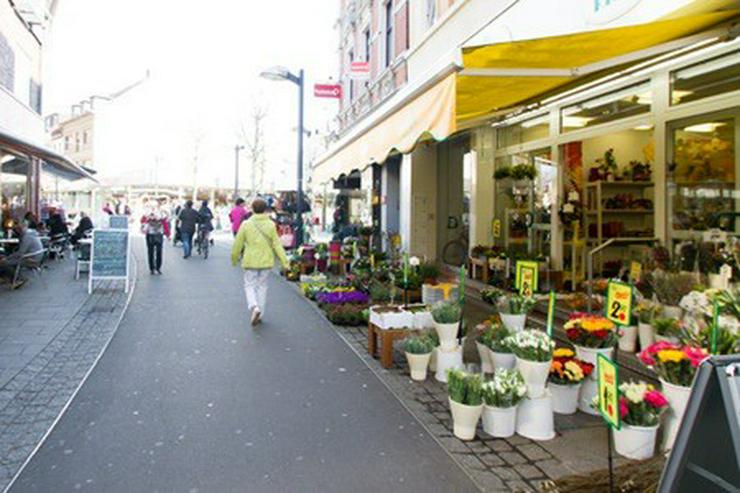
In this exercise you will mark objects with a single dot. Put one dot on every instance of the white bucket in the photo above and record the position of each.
(486, 365)
(646, 334)
(465, 419)
(589, 389)
(514, 323)
(678, 398)
(564, 397)
(534, 418)
(502, 360)
(635, 442)
(418, 365)
(535, 375)
(499, 421)
(589, 355)
(433, 361)
(448, 360)
(447, 334)
(628, 338)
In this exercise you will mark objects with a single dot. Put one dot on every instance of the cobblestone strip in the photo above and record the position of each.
(31, 402)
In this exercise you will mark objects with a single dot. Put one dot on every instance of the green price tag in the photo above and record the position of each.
(619, 302)
(527, 277)
(715, 326)
(551, 313)
(608, 384)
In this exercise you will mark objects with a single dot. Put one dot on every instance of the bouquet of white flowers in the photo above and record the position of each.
(531, 345)
(505, 390)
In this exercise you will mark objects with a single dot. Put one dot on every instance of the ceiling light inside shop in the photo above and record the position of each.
(645, 98)
(704, 128)
(678, 94)
(710, 66)
(575, 121)
(627, 94)
(534, 122)
(643, 127)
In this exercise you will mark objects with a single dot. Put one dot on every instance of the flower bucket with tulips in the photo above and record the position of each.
(533, 352)
(565, 378)
(501, 397)
(466, 402)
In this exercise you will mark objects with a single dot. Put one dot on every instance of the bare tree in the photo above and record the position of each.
(252, 134)
(196, 141)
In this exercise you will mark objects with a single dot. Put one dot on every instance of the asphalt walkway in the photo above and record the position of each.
(189, 398)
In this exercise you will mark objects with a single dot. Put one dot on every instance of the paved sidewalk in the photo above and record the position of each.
(189, 398)
(51, 332)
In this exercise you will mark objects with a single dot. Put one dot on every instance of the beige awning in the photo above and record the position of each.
(429, 115)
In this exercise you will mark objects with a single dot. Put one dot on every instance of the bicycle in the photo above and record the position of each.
(202, 241)
(455, 252)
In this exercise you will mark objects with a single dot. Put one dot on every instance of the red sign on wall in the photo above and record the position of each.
(327, 91)
(359, 70)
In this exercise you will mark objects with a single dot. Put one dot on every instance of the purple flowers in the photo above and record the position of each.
(342, 297)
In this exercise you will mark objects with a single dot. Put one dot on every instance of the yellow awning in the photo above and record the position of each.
(429, 115)
(524, 69)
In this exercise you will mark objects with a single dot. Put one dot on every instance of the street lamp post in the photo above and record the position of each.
(237, 148)
(279, 74)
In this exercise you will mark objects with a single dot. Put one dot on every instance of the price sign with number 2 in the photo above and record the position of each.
(619, 302)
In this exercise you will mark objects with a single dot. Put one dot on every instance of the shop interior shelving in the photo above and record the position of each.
(597, 192)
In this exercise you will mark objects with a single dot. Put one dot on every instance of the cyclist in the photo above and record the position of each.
(205, 226)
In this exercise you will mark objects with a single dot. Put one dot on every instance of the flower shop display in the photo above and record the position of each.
(447, 316)
(418, 351)
(628, 336)
(697, 327)
(564, 382)
(422, 316)
(501, 397)
(348, 314)
(466, 402)
(447, 359)
(499, 350)
(676, 367)
(591, 335)
(533, 351)
(390, 317)
(667, 329)
(484, 334)
(669, 288)
(342, 297)
(646, 312)
(434, 293)
(640, 408)
(513, 310)
(535, 418)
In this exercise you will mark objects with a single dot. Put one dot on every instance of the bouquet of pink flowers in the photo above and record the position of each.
(640, 404)
(673, 363)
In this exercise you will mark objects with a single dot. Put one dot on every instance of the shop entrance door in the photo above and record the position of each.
(453, 202)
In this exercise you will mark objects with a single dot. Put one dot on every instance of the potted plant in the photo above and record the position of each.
(502, 173)
(591, 335)
(482, 342)
(533, 352)
(676, 367)
(646, 313)
(466, 402)
(499, 350)
(500, 399)
(390, 317)
(513, 310)
(566, 375)
(447, 316)
(667, 329)
(640, 408)
(321, 256)
(418, 351)
(491, 295)
(669, 288)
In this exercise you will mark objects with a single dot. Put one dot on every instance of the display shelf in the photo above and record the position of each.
(638, 184)
(622, 211)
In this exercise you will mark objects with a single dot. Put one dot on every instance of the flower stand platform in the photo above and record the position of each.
(387, 336)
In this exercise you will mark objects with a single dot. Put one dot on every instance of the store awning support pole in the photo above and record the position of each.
(590, 262)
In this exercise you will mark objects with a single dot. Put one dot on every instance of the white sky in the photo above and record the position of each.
(206, 57)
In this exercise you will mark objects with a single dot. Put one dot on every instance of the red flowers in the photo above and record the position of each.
(623, 408)
(655, 399)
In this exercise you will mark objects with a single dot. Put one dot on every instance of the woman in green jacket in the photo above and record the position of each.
(257, 244)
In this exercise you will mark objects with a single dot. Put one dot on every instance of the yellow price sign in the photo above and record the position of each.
(497, 228)
(619, 302)
(608, 383)
(635, 271)
(527, 277)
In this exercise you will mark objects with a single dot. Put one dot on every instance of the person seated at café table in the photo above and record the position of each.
(56, 224)
(29, 243)
(84, 226)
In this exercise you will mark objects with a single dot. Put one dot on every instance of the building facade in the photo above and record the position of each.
(560, 89)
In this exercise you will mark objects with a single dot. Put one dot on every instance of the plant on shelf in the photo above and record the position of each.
(524, 172)
(673, 363)
(506, 389)
(640, 171)
(591, 331)
(342, 297)
(350, 315)
(429, 272)
(502, 173)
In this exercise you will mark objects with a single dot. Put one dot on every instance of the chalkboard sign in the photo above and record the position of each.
(118, 222)
(706, 453)
(110, 255)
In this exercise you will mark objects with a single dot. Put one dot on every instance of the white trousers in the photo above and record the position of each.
(255, 287)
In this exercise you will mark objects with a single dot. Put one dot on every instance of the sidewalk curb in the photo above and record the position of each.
(132, 289)
(377, 375)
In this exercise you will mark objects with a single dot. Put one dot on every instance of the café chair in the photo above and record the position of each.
(28, 262)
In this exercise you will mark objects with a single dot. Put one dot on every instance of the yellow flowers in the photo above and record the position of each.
(594, 324)
(671, 355)
(563, 352)
(573, 371)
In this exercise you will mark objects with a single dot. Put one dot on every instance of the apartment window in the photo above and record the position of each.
(351, 82)
(707, 78)
(367, 45)
(388, 33)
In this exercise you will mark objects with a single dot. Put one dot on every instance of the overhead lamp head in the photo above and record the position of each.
(276, 73)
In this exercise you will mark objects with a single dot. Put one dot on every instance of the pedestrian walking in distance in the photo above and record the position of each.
(238, 215)
(155, 227)
(189, 218)
(257, 245)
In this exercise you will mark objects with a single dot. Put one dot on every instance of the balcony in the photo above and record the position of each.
(378, 91)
